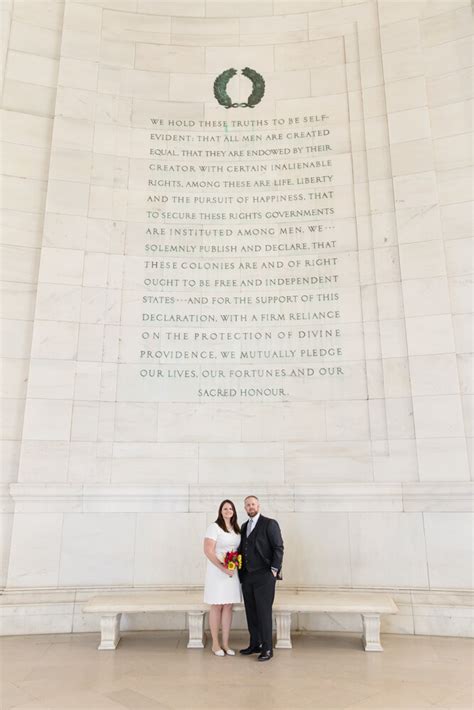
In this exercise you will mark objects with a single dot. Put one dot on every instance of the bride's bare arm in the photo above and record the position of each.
(210, 552)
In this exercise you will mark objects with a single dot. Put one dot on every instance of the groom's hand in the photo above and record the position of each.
(274, 572)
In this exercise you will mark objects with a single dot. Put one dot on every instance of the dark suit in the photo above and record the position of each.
(261, 550)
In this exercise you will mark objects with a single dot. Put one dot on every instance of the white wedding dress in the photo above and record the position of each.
(219, 588)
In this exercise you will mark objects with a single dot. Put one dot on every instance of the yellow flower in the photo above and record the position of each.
(231, 565)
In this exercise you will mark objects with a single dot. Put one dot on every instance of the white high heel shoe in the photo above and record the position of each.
(220, 652)
(229, 652)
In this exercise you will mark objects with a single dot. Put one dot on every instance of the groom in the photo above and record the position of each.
(261, 547)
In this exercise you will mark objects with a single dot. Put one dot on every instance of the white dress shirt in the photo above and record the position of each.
(254, 521)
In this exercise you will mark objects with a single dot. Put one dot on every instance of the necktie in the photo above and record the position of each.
(250, 527)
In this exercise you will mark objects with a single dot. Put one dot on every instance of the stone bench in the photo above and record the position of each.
(369, 605)
(112, 606)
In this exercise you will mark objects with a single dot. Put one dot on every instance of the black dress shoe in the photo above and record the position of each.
(251, 649)
(265, 656)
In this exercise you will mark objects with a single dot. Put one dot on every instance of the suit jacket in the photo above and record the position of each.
(268, 542)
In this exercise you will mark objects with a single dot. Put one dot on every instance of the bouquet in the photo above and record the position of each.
(233, 560)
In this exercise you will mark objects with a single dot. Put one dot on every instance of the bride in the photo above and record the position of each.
(222, 586)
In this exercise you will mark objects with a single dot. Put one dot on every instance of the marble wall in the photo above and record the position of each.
(372, 486)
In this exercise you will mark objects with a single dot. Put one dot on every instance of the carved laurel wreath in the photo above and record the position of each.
(220, 88)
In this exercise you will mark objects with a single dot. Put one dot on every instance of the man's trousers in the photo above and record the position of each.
(258, 589)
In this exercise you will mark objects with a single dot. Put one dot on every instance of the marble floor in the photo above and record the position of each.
(155, 670)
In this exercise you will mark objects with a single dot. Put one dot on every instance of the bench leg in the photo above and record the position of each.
(109, 632)
(283, 628)
(371, 635)
(196, 629)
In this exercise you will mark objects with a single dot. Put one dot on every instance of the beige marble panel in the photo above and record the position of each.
(17, 300)
(422, 259)
(52, 379)
(437, 416)
(169, 58)
(434, 374)
(284, 6)
(13, 378)
(192, 8)
(461, 294)
(119, 54)
(26, 98)
(395, 541)
(55, 340)
(392, 11)
(25, 129)
(398, 36)
(308, 55)
(430, 334)
(409, 125)
(449, 553)
(399, 462)
(74, 165)
(455, 185)
(437, 456)
(79, 46)
(458, 257)
(334, 461)
(424, 297)
(463, 332)
(448, 88)
(415, 224)
(48, 419)
(280, 29)
(75, 103)
(11, 421)
(16, 341)
(195, 422)
(329, 80)
(9, 462)
(217, 58)
(245, 8)
(308, 552)
(406, 94)
(72, 133)
(451, 119)
(87, 465)
(97, 549)
(20, 64)
(136, 421)
(156, 563)
(403, 64)
(445, 27)
(411, 157)
(204, 32)
(448, 57)
(130, 26)
(33, 39)
(82, 17)
(453, 151)
(37, 538)
(70, 198)
(19, 264)
(20, 228)
(24, 194)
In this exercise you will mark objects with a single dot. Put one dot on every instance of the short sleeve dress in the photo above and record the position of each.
(219, 588)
